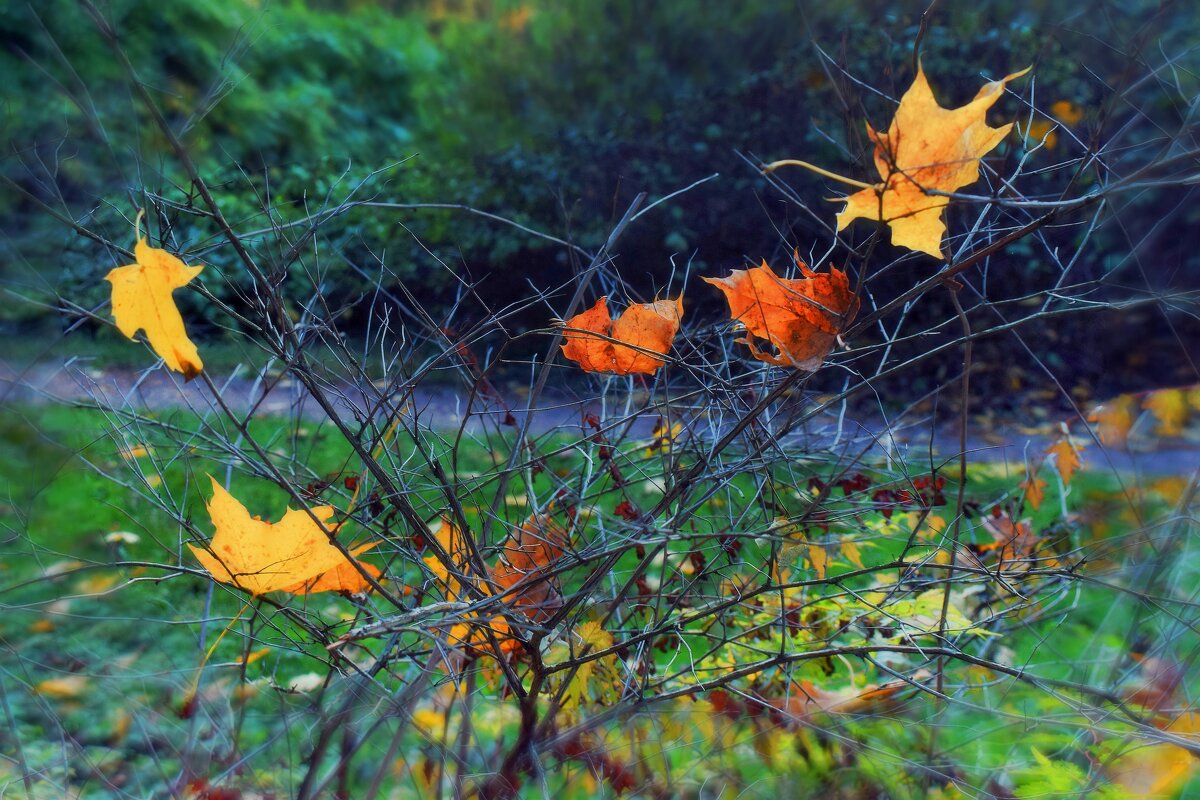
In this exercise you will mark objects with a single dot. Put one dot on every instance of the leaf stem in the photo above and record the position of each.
(792, 162)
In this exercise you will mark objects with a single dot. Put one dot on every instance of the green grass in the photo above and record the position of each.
(136, 635)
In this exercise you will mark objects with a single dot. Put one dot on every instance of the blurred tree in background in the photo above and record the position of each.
(551, 114)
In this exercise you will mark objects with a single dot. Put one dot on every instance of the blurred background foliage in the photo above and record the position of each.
(555, 114)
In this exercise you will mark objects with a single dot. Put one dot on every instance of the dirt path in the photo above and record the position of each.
(442, 408)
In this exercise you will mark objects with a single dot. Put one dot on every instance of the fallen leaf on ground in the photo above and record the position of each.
(1170, 408)
(1159, 770)
(66, 688)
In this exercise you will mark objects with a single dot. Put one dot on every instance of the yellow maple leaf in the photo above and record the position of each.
(69, 687)
(852, 553)
(927, 147)
(1158, 770)
(819, 559)
(141, 300)
(594, 638)
(345, 577)
(262, 556)
(1170, 408)
(473, 633)
(451, 541)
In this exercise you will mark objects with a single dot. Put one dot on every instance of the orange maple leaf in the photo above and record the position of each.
(471, 635)
(804, 700)
(263, 557)
(525, 567)
(926, 148)
(637, 341)
(634, 342)
(1114, 418)
(1012, 540)
(141, 300)
(1066, 459)
(1035, 489)
(345, 577)
(801, 318)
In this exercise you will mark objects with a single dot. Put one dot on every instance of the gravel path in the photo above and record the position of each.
(444, 409)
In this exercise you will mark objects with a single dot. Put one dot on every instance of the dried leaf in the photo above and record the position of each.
(1035, 490)
(68, 687)
(926, 147)
(1170, 408)
(801, 318)
(1012, 540)
(1114, 419)
(141, 300)
(819, 559)
(345, 577)
(525, 568)
(1067, 113)
(805, 699)
(852, 553)
(262, 556)
(450, 539)
(643, 332)
(1066, 459)
(1159, 770)
(473, 634)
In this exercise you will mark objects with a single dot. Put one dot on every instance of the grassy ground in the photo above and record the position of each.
(100, 661)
